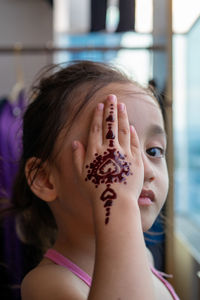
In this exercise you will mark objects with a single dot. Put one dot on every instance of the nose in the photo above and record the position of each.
(149, 172)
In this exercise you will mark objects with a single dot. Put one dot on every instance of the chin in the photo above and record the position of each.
(146, 227)
(147, 221)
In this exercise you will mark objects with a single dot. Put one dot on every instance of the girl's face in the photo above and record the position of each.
(144, 113)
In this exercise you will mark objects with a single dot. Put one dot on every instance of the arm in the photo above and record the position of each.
(121, 265)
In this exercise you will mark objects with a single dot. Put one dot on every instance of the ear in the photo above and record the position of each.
(40, 179)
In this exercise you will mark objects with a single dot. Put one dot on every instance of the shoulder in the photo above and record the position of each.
(161, 290)
(50, 281)
(150, 257)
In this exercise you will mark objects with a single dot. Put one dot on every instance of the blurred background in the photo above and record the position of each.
(158, 43)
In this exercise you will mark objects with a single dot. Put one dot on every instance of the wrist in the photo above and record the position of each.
(122, 208)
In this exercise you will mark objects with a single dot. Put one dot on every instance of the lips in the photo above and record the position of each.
(146, 198)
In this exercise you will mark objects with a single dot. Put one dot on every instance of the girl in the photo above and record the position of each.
(92, 179)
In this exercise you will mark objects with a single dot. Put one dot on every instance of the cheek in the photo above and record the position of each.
(163, 183)
(64, 166)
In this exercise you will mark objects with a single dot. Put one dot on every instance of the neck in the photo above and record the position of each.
(76, 241)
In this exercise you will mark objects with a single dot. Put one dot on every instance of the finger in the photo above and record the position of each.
(110, 123)
(123, 126)
(78, 156)
(134, 140)
(95, 133)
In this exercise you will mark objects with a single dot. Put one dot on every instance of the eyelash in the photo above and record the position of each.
(161, 155)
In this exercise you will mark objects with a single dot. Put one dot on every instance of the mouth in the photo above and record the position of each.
(146, 198)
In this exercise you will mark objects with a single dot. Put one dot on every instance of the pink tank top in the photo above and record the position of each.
(61, 260)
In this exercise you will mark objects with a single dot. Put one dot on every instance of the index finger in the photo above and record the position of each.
(95, 133)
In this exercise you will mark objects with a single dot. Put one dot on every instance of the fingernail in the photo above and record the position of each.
(74, 145)
(100, 106)
(132, 128)
(121, 106)
(112, 98)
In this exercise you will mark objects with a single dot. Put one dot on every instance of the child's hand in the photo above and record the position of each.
(111, 169)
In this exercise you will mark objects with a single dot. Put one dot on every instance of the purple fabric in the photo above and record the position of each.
(10, 149)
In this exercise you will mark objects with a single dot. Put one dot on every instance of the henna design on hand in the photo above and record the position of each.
(109, 168)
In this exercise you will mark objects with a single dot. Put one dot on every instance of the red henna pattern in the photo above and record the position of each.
(108, 194)
(110, 135)
(111, 144)
(108, 168)
(110, 118)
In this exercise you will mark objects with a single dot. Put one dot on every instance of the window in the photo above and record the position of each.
(187, 125)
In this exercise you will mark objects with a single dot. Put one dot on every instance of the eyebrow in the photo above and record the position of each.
(157, 130)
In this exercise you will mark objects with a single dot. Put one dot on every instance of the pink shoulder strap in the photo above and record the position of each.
(61, 260)
(160, 275)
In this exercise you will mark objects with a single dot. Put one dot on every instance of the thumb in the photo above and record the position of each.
(78, 156)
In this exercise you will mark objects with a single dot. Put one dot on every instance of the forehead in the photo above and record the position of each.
(136, 99)
(125, 92)
(143, 110)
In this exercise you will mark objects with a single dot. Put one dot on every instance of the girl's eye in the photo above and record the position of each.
(155, 152)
